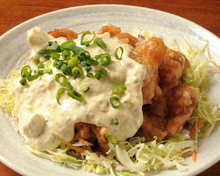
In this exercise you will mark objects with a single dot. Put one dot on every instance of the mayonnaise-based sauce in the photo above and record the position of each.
(40, 116)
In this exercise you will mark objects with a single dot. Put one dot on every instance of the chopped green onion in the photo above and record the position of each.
(40, 72)
(69, 86)
(32, 77)
(61, 79)
(73, 61)
(88, 68)
(87, 42)
(76, 72)
(68, 45)
(43, 51)
(84, 56)
(23, 81)
(58, 64)
(105, 59)
(90, 75)
(66, 54)
(36, 61)
(100, 73)
(100, 43)
(60, 91)
(115, 102)
(84, 88)
(115, 121)
(75, 95)
(40, 65)
(111, 139)
(52, 46)
(49, 71)
(119, 52)
(26, 71)
(66, 69)
(55, 55)
(119, 89)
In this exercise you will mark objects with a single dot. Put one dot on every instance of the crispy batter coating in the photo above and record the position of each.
(171, 69)
(90, 131)
(67, 33)
(153, 126)
(181, 102)
(112, 30)
(150, 54)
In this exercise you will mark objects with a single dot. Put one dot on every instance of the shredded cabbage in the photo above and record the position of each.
(6, 96)
(134, 157)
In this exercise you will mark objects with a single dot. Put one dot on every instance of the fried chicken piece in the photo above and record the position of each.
(181, 102)
(67, 33)
(150, 54)
(172, 68)
(84, 130)
(127, 38)
(159, 107)
(100, 133)
(89, 131)
(112, 30)
(154, 126)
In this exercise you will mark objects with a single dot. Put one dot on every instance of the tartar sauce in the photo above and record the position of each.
(39, 114)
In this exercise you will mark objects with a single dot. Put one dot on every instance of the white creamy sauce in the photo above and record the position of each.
(40, 115)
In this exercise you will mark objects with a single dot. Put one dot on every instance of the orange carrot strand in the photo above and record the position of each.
(84, 142)
(194, 156)
(78, 149)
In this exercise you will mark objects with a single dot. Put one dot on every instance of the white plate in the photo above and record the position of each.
(13, 46)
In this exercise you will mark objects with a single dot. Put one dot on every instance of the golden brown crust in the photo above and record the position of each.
(112, 30)
(67, 33)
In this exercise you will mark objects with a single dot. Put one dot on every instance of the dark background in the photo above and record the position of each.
(204, 12)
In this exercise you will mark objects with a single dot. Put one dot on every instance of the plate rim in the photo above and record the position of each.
(19, 170)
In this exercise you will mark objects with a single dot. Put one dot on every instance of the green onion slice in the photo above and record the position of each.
(66, 69)
(90, 75)
(105, 59)
(66, 54)
(52, 46)
(100, 43)
(100, 73)
(49, 71)
(73, 61)
(55, 55)
(26, 71)
(76, 72)
(60, 91)
(68, 45)
(119, 52)
(75, 95)
(115, 102)
(61, 79)
(119, 89)
(87, 42)
(115, 121)
(23, 81)
(32, 77)
(40, 65)
(84, 88)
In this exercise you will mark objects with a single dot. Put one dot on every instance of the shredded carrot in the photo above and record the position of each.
(194, 128)
(194, 156)
(78, 149)
(84, 142)
(211, 59)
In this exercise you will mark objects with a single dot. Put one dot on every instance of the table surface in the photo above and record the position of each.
(204, 13)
